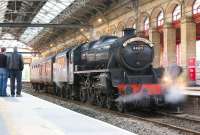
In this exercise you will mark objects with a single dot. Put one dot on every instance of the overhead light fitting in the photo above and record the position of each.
(81, 29)
(99, 20)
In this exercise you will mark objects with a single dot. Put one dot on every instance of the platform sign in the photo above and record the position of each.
(192, 69)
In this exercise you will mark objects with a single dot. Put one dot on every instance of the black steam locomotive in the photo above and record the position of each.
(109, 72)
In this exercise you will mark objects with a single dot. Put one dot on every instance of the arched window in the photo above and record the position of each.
(134, 26)
(196, 7)
(177, 13)
(160, 19)
(146, 23)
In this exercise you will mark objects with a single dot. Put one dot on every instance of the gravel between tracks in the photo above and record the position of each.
(132, 125)
(181, 123)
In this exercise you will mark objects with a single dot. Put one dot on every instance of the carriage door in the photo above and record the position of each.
(67, 66)
(71, 67)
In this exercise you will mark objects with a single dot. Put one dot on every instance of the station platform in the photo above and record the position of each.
(29, 115)
(192, 91)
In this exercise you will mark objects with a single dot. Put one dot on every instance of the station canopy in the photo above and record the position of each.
(29, 12)
(47, 13)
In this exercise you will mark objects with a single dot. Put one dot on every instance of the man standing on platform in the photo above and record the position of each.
(15, 66)
(3, 72)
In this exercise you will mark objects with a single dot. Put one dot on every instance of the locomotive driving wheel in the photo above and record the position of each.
(58, 91)
(64, 92)
(54, 89)
(91, 93)
(101, 99)
(83, 94)
(120, 106)
(67, 91)
(91, 97)
(84, 90)
(109, 102)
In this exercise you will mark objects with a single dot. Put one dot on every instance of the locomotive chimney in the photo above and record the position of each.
(129, 32)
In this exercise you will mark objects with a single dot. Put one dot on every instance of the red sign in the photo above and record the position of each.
(192, 69)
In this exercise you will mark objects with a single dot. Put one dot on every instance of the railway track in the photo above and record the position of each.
(160, 122)
(181, 124)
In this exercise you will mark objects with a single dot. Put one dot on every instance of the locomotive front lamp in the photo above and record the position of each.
(167, 81)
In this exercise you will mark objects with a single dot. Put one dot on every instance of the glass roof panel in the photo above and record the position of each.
(47, 13)
(61, 5)
(31, 31)
(41, 18)
(66, 2)
(3, 7)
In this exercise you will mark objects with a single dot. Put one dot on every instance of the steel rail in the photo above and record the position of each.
(179, 117)
(162, 124)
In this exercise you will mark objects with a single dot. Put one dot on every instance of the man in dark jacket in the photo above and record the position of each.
(15, 66)
(3, 72)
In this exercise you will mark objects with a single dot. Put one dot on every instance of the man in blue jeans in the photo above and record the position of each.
(15, 66)
(3, 72)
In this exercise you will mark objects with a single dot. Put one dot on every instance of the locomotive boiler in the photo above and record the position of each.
(110, 72)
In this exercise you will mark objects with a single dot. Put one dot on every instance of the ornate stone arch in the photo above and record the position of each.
(113, 29)
(154, 16)
(189, 6)
(130, 22)
(120, 26)
(170, 8)
(98, 34)
(142, 18)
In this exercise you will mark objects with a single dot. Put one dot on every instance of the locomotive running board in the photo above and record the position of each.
(91, 71)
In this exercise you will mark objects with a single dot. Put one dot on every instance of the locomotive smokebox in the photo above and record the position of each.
(129, 32)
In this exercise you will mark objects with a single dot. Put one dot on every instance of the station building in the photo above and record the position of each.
(172, 25)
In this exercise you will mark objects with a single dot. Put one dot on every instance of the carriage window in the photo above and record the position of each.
(177, 13)
(196, 7)
(146, 23)
(160, 19)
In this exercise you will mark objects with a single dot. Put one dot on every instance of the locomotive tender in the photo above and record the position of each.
(109, 72)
